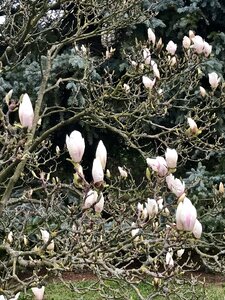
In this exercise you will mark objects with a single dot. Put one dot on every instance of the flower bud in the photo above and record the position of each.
(197, 230)
(101, 153)
(171, 158)
(75, 145)
(97, 171)
(90, 199)
(221, 188)
(152, 207)
(171, 47)
(202, 91)
(186, 42)
(214, 80)
(126, 87)
(26, 112)
(100, 204)
(151, 36)
(180, 252)
(123, 173)
(146, 56)
(186, 215)
(38, 292)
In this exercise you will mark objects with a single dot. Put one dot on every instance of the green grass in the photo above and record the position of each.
(89, 290)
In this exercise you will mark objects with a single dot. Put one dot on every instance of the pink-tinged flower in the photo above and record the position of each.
(75, 145)
(147, 56)
(186, 215)
(171, 47)
(193, 126)
(148, 83)
(197, 230)
(90, 199)
(186, 42)
(160, 203)
(26, 112)
(214, 80)
(38, 292)
(123, 173)
(158, 165)
(207, 50)
(100, 204)
(175, 185)
(202, 91)
(97, 171)
(101, 152)
(151, 36)
(152, 207)
(198, 45)
(171, 158)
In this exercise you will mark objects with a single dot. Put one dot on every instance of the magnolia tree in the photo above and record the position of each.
(123, 229)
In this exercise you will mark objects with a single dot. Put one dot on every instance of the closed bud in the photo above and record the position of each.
(180, 252)
(123, 173)
(26, 112)
(221, 188)
(151, 36)
(75, 145)
(202, 91)
(214, 80)
(186, 42)
(38, 292)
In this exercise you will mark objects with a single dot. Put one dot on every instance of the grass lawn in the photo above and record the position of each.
(58, 291)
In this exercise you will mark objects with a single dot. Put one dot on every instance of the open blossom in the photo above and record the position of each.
(171, 158)
(198, 45)
(158, 165)
(151, 36)
(171, 47)
(193, 126)
(26, 112)
(90, 198)
(214, 80)
(147, 56)
(148, 83)
(197, 230)
(175, 185)
(152, 207)
(97, 170)
(38, 292)
(75, 145)
(100, 204)
(101, 153)
(186, 42)
(186, 215)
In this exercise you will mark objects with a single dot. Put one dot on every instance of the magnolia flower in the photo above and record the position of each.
(10, 237)
(158, 165)
(198, 45)
(75, 145)
(175, 185)
(193, 126)
(180, 252)
(152, 207)
(90, 199)
(191, 34)
(202, 91)
(148, 83)
(156, 71)
(101, 153)
(160, 203)
(173, 61)
(169, 259)
(159, 44)
(16, 297)
(100, 204)
(214, 80)
(140, 208)
(45, 236)
(221, 188)
(186, 215)
(134, 232)
(151, 36)
(186, 42)
(171, 158)
(171, 47)
(197, 230)
(38, 292)
(97, 170)
(26, 112)
(147, 56)
(123, 173)
(207, 49)
(126, 87)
